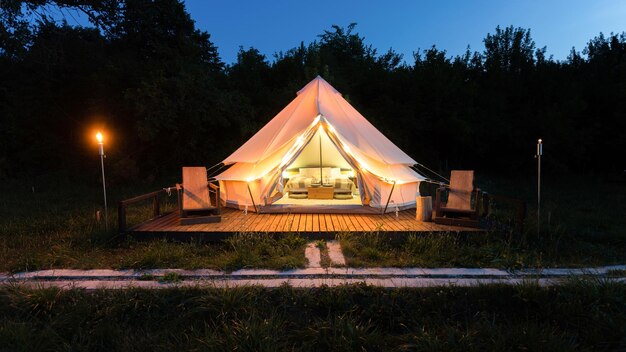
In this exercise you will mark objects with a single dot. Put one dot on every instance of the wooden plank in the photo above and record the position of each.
(172, 223)
(280, 227)
(330, 227)
(245, 222)
(302, 224)
(322, 222)
(146, 226)
(362, 224)
(346, 220)
(334, 222)
(165, 222)
(369, 223)
(286, 224)
(295, 222)
(274, 224)
(251, 219)
(293, 226)
(357, 223)
(316, 223)
(342, 224)
(156, 223)
(228, 221)
(391, 223)
(307, 223)
(405, 223)
(233, 220)
(415, 225)
(260, 223)
(289, 222)
(199, 221)
(329, 223)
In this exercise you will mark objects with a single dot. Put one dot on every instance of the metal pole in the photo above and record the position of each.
(321, 174)
(251, 197)
(104, 188)
(389, 198)
(539, 153)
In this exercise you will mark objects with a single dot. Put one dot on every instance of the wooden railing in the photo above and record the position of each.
(156, 207)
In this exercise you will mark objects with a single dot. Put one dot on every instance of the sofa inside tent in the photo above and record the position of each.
(319, 155)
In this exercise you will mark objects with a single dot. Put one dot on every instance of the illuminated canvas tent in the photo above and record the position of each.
(319, 119)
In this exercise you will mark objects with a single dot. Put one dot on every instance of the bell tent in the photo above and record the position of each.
(320, 155)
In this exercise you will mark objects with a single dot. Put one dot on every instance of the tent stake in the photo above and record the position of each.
(389, 198)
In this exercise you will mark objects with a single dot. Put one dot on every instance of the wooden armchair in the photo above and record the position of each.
(194, 198)
(463, 205)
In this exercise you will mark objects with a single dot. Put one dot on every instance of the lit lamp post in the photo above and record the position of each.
(104, 186)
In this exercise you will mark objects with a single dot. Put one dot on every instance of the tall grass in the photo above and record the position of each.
(55, 227)
(581, 315)
(490, 249)
(586, 228)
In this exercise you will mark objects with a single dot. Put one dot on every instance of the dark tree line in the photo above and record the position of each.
(157, 85)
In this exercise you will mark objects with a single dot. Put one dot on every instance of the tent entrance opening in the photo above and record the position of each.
(320, 176)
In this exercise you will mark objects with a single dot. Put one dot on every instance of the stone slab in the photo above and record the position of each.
(294, 282)
(313, 255)
(112, 275)
(335, 253)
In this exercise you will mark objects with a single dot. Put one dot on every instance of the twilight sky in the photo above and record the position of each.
(279, 25)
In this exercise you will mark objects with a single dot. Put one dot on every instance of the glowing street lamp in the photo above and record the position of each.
(104, 186)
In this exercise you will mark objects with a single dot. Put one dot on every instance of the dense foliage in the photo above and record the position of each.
(145, 74)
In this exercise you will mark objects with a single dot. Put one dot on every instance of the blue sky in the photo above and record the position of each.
(405, 26)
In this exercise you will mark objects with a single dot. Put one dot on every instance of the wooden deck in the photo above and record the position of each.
(312, 225)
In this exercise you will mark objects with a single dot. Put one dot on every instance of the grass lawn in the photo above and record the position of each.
(581, 315)
(54, 227)
(583, 225)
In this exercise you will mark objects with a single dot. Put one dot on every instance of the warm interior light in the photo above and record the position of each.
(540, 140)
(99, 137)
(249, 179)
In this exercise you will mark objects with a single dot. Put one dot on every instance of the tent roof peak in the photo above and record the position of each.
(319, 98)
(317, 84)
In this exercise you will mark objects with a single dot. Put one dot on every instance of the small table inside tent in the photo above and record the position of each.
(320, 192)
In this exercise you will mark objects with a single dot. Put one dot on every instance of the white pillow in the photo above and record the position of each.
(310, 172)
